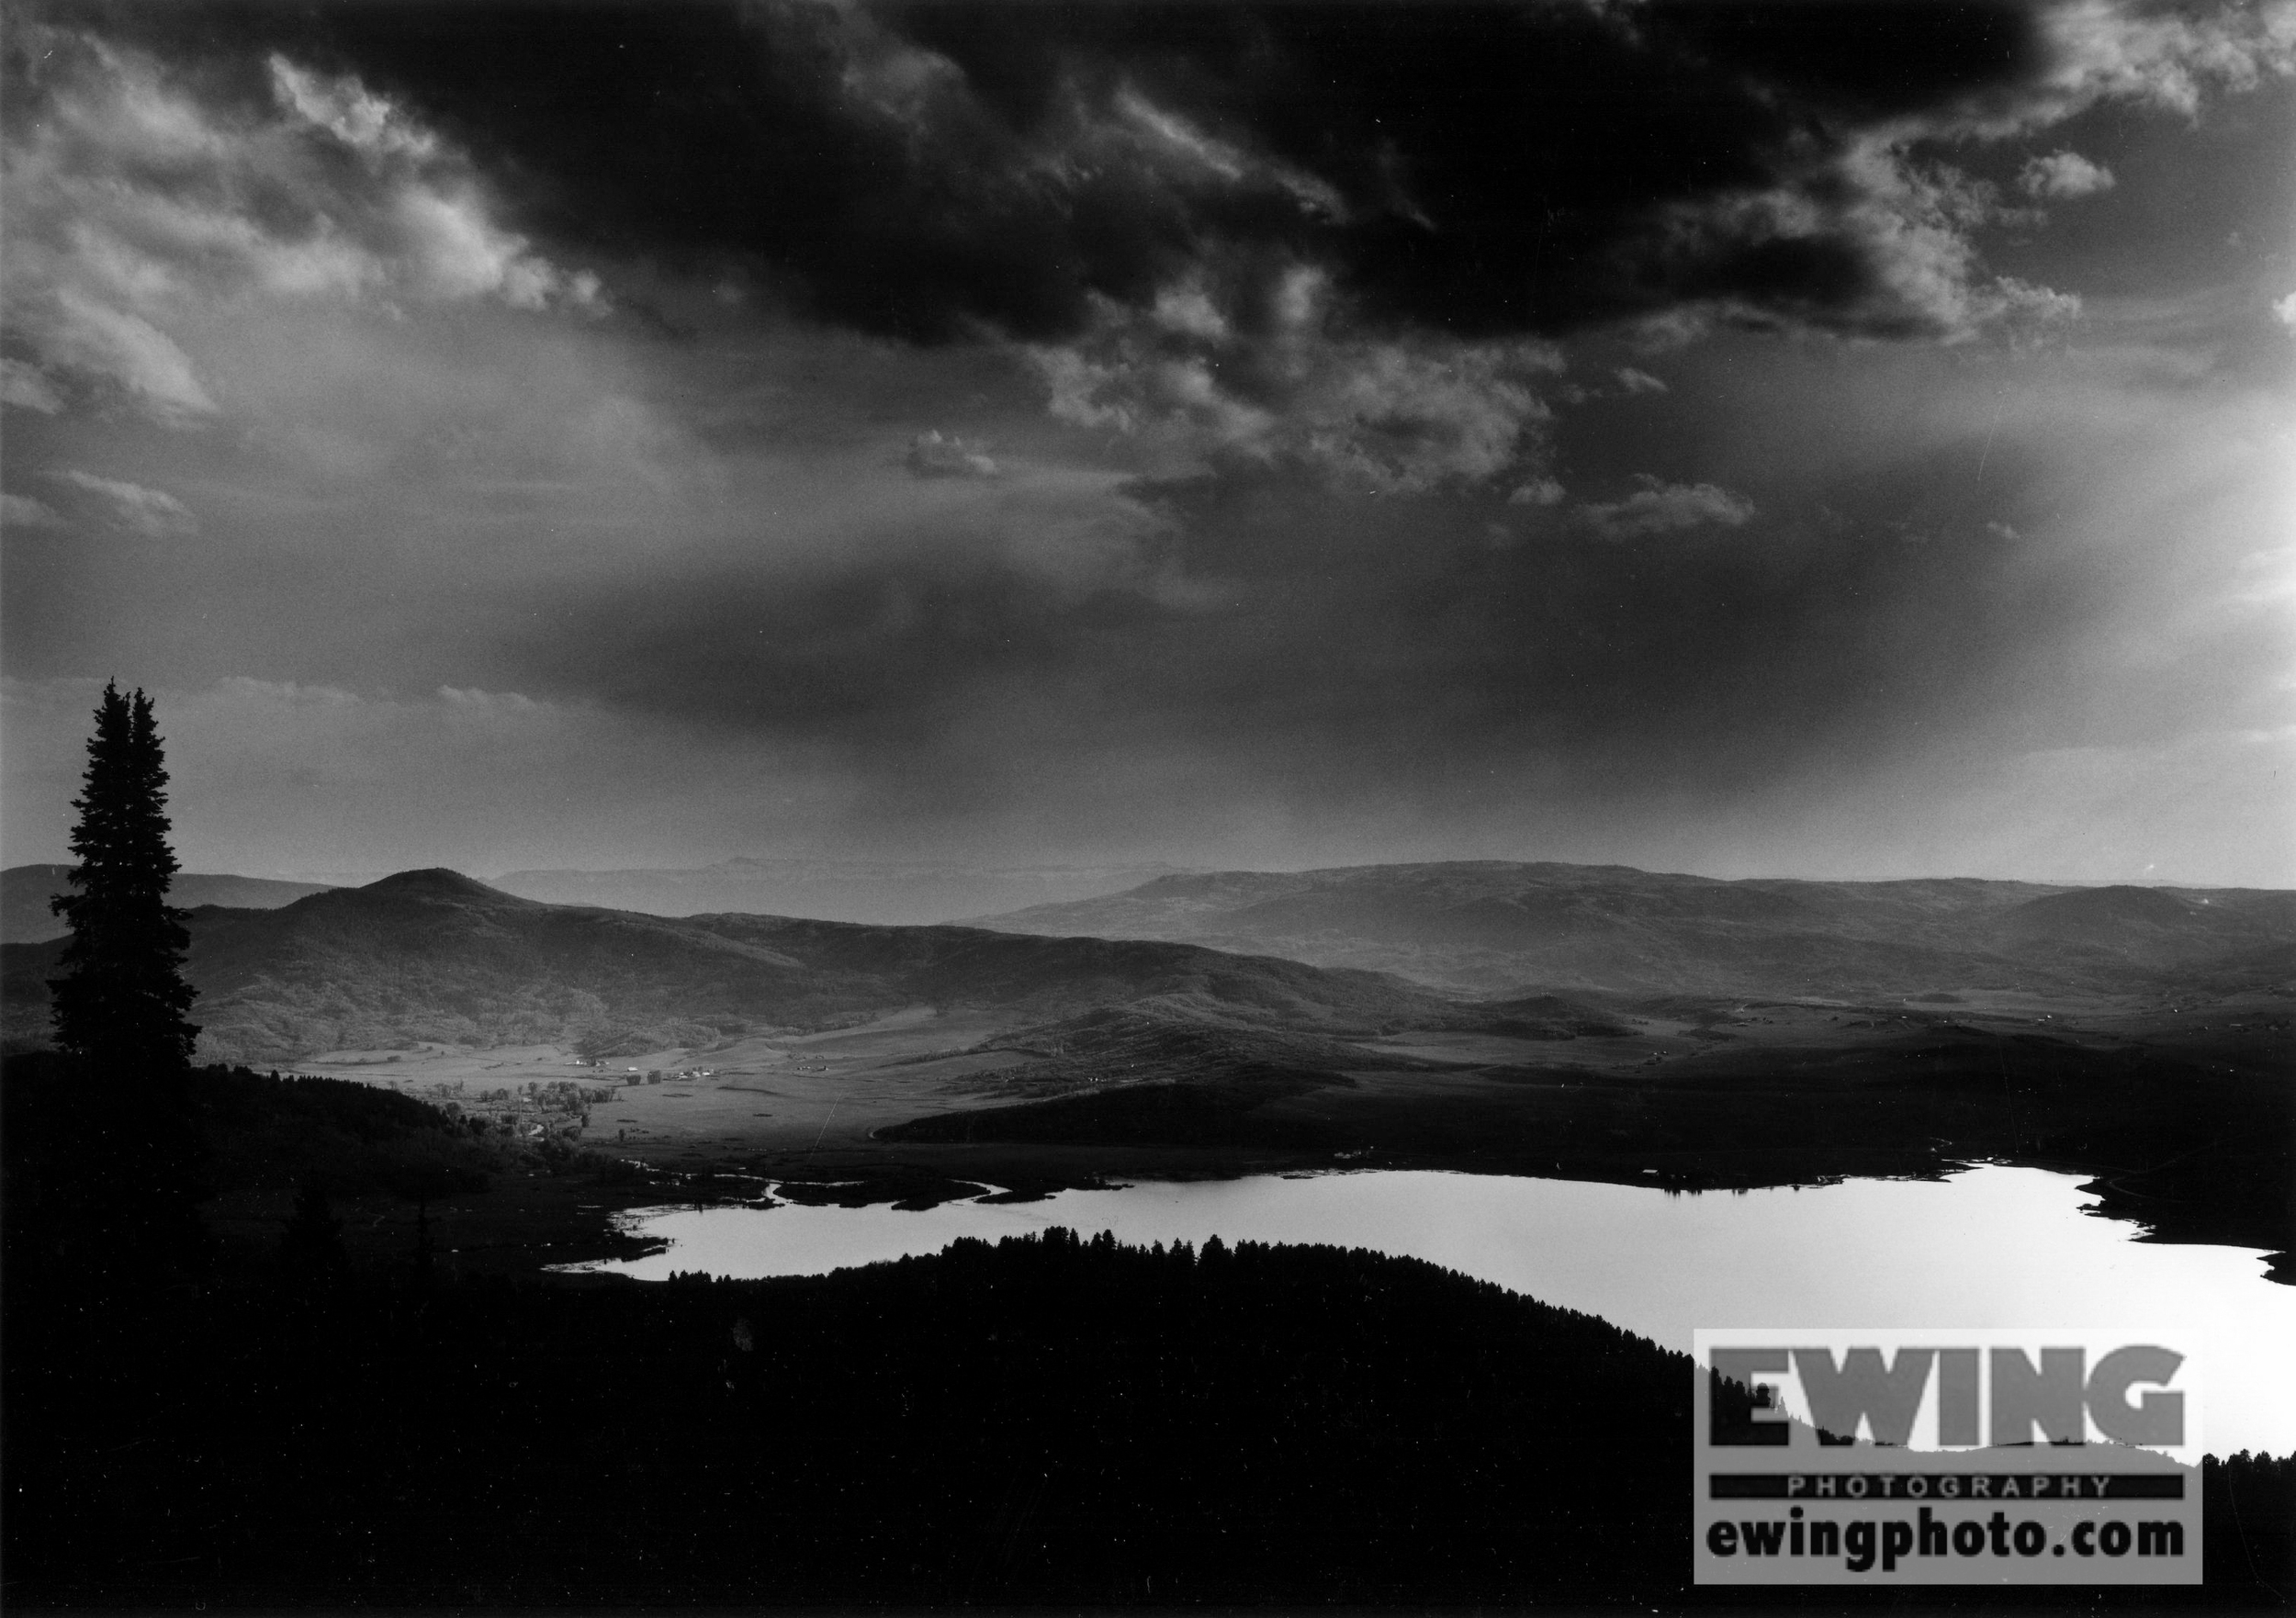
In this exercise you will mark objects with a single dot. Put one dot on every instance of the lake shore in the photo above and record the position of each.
(2180, 1126)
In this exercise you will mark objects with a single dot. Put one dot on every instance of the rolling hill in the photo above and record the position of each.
(25, 891)
(433, 956)
(834, 890)
(1493, 928)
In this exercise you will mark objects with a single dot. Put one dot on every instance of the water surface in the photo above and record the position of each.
(1991, 1246)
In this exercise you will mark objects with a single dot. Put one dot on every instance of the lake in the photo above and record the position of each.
(1988, 1247)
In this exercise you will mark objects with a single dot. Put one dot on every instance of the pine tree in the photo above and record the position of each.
(121, 1001)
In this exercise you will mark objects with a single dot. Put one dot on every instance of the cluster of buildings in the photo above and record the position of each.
(652, 1075)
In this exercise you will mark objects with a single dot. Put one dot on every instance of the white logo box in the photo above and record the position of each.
(1975, 1457)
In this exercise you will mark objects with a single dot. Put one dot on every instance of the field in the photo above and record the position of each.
(793, 1095)
(798, 1101)
(919, 1105)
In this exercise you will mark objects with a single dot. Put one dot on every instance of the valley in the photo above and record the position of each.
(2143, 1041)
(2183, 1127)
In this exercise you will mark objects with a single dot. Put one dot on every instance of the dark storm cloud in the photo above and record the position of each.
(1474, 169)
(1345, 648)
(875, 655)
(1076, 412)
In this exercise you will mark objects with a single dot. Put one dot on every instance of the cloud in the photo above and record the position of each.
(1069, 659)
(143, 198)
(368, 123)
(1275, 373)
(2170, 59)
(1635, 381)
(1658, 507)
(1868, 238)
(23, 385)
(1223, 242)
(1051, 175)
(2064, 174)
(934, 454)
(19, 510)
(937, 170)
(151, 512)
(78, 332)
(2284, 311)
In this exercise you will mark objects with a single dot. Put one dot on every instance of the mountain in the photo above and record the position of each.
(431, 955)
(1492, 926)
(832, 889)
(25, 891)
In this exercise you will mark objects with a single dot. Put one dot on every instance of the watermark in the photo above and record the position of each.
(1946, 1456)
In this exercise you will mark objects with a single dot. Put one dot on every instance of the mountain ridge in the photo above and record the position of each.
(897, 893)
(1495, 927)
(437, 956)
(25, 891)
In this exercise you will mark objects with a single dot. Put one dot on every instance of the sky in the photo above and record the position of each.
(1847, 440)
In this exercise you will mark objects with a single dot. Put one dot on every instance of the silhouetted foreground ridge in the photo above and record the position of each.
(1050, 1421)
(1047, 1419)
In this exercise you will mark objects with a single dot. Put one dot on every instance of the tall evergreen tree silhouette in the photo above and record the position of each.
(121, 1001)
(127, 1184)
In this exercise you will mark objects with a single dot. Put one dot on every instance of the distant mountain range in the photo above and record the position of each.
(431, 955)
(831, 889)
(25, 891)
(1495, 927)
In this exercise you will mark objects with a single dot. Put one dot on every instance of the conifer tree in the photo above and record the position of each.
(121, 1001)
